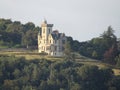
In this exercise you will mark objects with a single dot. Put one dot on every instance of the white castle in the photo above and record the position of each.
(51, 42)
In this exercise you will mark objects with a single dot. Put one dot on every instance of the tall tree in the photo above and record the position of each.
(111, 45)
(109, 38)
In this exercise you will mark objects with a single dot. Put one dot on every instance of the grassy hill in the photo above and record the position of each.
(31, 55)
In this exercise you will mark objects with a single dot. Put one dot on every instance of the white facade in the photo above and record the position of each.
(51, 42)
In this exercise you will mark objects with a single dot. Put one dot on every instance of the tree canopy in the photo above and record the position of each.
(14, 34)
(104, 47)
(21, 74)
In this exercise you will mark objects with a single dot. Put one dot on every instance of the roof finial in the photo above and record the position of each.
(45, 21)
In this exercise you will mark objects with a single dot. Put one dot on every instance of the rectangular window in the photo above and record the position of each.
(60, 49)
(43, 30)
(63, 41)
(55, 48)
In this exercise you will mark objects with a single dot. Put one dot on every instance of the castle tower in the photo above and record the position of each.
(46, 29)
(50, 42)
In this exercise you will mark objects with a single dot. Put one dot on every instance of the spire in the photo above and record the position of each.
(45, 21)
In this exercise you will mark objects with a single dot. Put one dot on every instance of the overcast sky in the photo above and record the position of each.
(81, 19)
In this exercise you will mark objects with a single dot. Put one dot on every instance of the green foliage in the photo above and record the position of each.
(114, 84)
(15, 34)
(74, 44)
(19, 74)
(102, 48)
(118, 61)
(68, 52)
(75, 86)
(30, 38)
(94, 54)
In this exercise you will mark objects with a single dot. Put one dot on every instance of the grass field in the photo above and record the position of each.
(80, 59)
(102, 65)
(29, 55)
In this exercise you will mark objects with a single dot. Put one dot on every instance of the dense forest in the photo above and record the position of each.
(106, 47)
(14, 34)
(21, 74)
